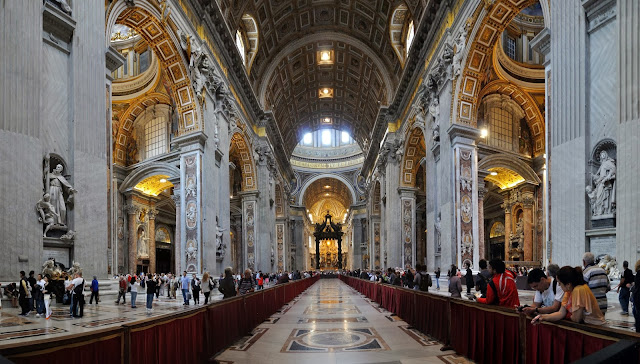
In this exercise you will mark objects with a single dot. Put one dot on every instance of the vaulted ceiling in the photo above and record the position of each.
(327, 192)
(287, 77)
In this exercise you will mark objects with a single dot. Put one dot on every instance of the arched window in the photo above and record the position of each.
(241, 48)
(501, 115)
(155, 137)
(410, 36)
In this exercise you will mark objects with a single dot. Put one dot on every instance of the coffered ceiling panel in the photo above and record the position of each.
(288, 78)
(327, 189)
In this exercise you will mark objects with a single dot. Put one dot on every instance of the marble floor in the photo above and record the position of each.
(332, 323)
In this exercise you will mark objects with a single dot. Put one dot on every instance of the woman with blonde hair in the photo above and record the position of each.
(207, 286)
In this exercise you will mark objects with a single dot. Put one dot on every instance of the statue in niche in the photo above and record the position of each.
(602, 196)
(143, 248)
(221, 248)
(58, 187)
(48, 215)
(516, 252)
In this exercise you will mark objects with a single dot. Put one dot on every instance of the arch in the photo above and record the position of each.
(319, 37)
(532, 114)
(148, 170)
(144, 19)
(244, 152)
(338, 177)
(414, 152)
(398, 24)
(506, 161)
(252, 36)
(125, 125)
(495, 20)
(279, 201)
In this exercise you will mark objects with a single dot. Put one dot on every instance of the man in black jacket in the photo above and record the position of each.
(227, 286)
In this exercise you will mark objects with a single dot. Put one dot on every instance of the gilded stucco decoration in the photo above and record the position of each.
(414, 153)
(242, 155)
(153, 185)
(504, 177)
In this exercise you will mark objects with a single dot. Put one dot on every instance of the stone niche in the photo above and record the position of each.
(601, 185)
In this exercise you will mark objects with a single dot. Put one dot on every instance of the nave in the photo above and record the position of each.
(332, 323)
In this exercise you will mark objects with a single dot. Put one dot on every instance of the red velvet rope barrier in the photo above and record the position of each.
(488, 334)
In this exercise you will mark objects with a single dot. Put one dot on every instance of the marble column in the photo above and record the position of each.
(177, 240)
(527, 203)
(507, 225)
(298, 244)
(280, 247)
(482, 244)
(132, 212)
(408, 226)
(152, 240)
(356, 254)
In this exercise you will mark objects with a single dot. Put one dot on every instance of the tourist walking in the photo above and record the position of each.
(24, 292)
(455, 283)
(597, 280)
(483, 278)
(94, 290)
(195, 289)
(39, 296)
(227, 286)
(135, 286)
(624, 288)
(437, 272)
(469, 278)
(635, 296)
(122, 290)
(184, 285)
(207, 286)
(47, 298)
(32, 283)
(77, 295)
(151, 290)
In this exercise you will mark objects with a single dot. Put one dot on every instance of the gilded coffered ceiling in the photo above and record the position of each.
(504, 178)
(153, 185)
(327, 192)
(287, 74)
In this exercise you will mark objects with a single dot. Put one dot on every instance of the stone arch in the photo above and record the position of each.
(338, 177)
(242, 148)
(398, 26)
(495, 20)
(146, 171)
(506, 161)
(249, 30)
(126, 124)
(532, 114)
(143, 18)
(413, 154)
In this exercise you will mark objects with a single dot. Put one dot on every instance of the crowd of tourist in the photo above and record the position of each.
(578, 294)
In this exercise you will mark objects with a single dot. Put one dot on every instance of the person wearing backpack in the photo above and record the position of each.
(548, 297)
(502, 289)
(422, 280)
(483, 278)
(77, 295)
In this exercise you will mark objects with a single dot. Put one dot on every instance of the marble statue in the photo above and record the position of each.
(610, 266)
(602, 195)
(199, 67)
(143, 248)
(69, 235)
(220, 246)
(64, 6)
(460, 44)
(48, 215)
(75, 268)
(58, 186)
(273, 255)
(192, 252)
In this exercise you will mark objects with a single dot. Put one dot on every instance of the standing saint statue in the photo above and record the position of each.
(58, 185)
(220, 247)
(143, 248)
(603, 197)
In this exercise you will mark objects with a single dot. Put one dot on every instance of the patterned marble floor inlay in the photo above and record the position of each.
(245, 343)
(304, 320)
(332, 340)
(19, 334)
(331, 310)
(416, 335)
(105, 322)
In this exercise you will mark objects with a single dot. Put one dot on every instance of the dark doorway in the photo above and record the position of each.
(163, 260)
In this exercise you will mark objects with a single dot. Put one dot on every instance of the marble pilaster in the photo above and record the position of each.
(132, 213)
(408, 224)
(177, 240)
(527, 208)
(152, 240)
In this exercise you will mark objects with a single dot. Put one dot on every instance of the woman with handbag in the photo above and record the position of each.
(207, 286)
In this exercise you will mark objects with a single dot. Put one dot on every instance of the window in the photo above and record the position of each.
(501, 128)
(306, 140)
(240, 45)
(410, 35)
(326, 137)
(155, 132)
(510, 48)
(345, 137)
(145, 60)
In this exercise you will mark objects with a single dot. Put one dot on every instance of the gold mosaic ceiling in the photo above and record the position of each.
(288, 78)
(327, 193)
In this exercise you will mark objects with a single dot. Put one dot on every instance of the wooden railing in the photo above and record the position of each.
(491, 334)
(189, 336)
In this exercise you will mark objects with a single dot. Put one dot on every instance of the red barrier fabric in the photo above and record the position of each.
(431, 316)
(548, 343)
(108, 350)
(405, 304)
(388, 301)
(178, 340)
(224, 324)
